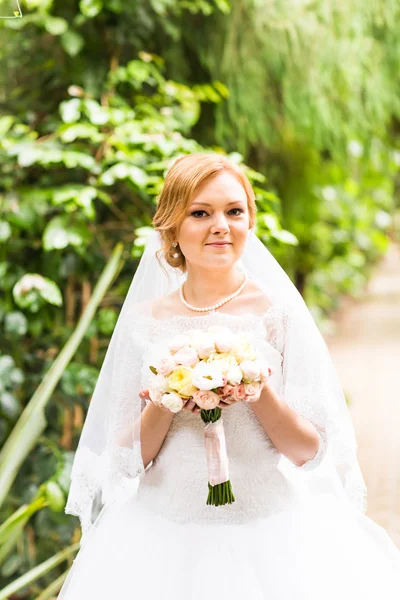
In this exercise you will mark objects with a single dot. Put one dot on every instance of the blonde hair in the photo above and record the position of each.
(182, 180)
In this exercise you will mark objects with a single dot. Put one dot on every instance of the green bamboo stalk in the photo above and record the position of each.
(37, 572)
(13, 527)
(32, 421)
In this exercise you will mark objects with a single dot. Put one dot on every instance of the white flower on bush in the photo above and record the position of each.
(178, 342)
(207, 376)
(250, 369)
(29, 282)
(234, 375)
(157, 387)
(172, 401)
(203, 343)
(186, 356)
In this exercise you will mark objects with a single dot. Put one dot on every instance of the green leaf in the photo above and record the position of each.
(15, 323)
(51, 293)
(106, 321)
(54, 496)
(98, 115)
(32, 290)
(10, 406)
(5, 231)
(55, 25)
(124, 171)
(90, 8)
(78, 380)
(62, 232)
(72, 42)
(70, 110)
(285, 236)
(11, 565)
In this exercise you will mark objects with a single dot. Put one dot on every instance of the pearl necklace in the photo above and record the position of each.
(215, 306)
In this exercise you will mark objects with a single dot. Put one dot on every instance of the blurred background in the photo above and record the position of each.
(97, 97)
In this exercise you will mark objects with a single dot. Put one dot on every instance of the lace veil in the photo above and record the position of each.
(108, 458)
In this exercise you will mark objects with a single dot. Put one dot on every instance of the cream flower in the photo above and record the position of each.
(178, 342)
(186, 356)
(158, 385)
(234, 375)
(243, 350)
(250, 370)
(203, 344)
(224, 340)
(207, 376)
(172, 401)
(223, 360)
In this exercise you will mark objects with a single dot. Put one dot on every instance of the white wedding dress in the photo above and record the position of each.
(277, 541)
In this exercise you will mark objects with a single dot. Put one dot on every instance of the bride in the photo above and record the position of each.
(297, 527)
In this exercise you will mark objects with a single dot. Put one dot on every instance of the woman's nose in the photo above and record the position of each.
(220, 224)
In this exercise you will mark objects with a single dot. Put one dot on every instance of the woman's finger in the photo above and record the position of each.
(189, 405)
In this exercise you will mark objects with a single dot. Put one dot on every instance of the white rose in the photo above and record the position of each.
(203, 344)
(250, 369)
(178, 342)
(186, 356)
(207, 376)
(234, 375)
(158, 385)
(224, 340)
(172, 401)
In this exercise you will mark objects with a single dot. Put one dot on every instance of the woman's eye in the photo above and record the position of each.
(196, 212)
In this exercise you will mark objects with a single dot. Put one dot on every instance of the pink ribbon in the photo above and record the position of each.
(217, 458)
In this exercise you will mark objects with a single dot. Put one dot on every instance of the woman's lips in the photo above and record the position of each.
(219, 245)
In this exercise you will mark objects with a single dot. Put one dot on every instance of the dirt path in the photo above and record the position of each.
(366, 353)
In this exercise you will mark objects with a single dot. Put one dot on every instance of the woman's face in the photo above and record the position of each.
(218, 212)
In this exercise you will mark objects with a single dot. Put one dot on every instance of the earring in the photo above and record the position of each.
(175, 254)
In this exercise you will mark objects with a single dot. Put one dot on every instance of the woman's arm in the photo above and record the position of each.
(154, 426)
(291, 434)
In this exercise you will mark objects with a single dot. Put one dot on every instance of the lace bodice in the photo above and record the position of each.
(175, 483)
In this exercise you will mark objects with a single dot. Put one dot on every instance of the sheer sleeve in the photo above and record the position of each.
(297, 389)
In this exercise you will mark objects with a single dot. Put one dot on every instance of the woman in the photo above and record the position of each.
(297, 527)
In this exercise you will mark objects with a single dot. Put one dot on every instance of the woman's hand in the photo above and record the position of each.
(241, 393)
(188, 403)
(191, 406)
(144, 395)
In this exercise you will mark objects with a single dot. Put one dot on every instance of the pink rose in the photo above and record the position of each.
(238, 392)
(206, 399)
(227, 390)
(253, 391)
(166, 366)
(186, 357)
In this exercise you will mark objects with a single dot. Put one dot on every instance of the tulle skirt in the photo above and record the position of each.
(319, 549)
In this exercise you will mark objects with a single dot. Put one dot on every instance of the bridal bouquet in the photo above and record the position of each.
(207, 366)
